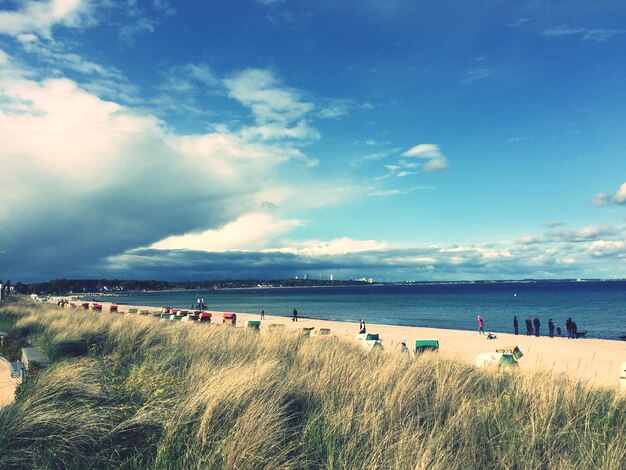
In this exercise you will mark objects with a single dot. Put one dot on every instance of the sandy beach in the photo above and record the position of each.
(594, 360)
(7, 383)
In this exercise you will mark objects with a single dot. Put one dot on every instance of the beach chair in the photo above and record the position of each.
(423, 345)
(113, 308)
(180, 314)
(144, 312)
(514, 350)
(132, 310)
(322, 334)
(369, 341)
(96, 307)
(306, 331)
(254, 325)
(229, 319)
(496, 359)
(205, 317)
(85, 305)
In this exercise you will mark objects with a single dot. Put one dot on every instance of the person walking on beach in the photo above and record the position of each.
(481, 326)
(529, 327)
(574, 329)
(568, 327)
(361, 327)
(551, 327)
(294, 315)
(515, 325)
(558, 331)
(537, 324)
(262, 314)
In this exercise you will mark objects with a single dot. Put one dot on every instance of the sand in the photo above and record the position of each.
(596, 361)
(7, 383)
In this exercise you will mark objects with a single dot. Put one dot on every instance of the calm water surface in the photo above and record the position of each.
(599, 307)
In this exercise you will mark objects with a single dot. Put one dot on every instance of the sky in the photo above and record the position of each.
(393, 140)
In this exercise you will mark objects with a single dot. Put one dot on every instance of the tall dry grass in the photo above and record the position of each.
(134, 392)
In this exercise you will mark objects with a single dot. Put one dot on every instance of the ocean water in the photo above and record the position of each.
(599, 307)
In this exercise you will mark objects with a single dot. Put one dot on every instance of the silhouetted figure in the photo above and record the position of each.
(361, 327)
(529, 327)
(515, 325)
(481, 325)
(537, 324)
(262, 314)
(294, 315)
(558, 330)
(568, 327)
(551, 328)
(574, 329)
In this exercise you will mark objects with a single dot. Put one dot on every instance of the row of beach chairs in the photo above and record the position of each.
(369, 341)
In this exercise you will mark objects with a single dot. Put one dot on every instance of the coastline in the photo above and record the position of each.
(596, 361)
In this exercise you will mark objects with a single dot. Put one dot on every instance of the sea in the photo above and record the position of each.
(596, 306)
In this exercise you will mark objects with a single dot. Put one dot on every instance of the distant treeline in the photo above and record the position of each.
(66, 286)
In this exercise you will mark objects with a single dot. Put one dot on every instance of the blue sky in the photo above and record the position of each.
(397, 140)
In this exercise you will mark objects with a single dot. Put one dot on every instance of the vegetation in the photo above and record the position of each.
(64, 286)
(133, 392)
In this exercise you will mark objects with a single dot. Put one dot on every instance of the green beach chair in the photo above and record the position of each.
(423, 345)
(254, 325)
(514, 350)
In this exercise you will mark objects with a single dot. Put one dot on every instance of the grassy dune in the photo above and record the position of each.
(134, 392)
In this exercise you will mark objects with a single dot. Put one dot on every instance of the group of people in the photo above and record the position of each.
(533, 327)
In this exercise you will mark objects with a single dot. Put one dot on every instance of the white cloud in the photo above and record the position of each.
(262, 92)
(86, 178)
(529, 240)
(436, 161)
(40, 16)
(601, 34)
(605, 199)
(336, 247)
(554, 223)
(586, 34)
(334, 110)
(607, 248)
(381, 154)
(249, 232)
(386, 192)
(588, 233)
(519, 22)
(563, 30)
(476, 74)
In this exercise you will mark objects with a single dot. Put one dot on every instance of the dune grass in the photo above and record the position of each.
(134, 392)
